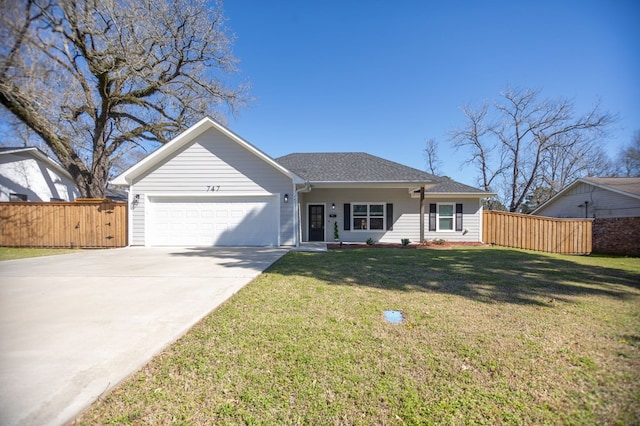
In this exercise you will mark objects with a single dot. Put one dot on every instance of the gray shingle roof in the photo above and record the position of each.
(325, 167)
(451, 186)
(630, 185)
(351, 167)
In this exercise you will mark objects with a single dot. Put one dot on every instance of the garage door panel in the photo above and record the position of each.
(223, 222)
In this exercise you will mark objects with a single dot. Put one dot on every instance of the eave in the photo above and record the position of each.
(474, 195)
(377, 184)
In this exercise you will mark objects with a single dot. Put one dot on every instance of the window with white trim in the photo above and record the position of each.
(17, 197)
(446, 217)
(368, 216)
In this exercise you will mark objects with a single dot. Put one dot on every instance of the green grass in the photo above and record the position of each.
(491, 336)
(11, 253)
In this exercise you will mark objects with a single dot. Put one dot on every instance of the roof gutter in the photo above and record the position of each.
(371, 184)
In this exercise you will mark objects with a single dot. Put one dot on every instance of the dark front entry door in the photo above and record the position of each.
(316, 222)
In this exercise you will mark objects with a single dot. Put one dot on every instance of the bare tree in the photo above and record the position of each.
(524, 143)
(536, 198)
(97, 78)
(489, 161)
(18, 134)
(563, 165)
(431, 157)
(629, 158)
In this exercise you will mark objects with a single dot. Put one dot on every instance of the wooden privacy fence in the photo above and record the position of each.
(565, 236)
(81, 224)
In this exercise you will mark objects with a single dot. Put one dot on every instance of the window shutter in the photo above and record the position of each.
(347, 216)
(389, 217)
(458, 217)
(432, 217)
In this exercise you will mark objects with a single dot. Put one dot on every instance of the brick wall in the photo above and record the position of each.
(617, 235)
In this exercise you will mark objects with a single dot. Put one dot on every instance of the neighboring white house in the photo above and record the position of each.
(28, 174)
(595, 198)
(209, 187)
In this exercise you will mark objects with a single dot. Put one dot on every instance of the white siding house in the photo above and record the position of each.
(595, 198)
(369, 197)
(209, 187)
(400, 215)
(28, 174)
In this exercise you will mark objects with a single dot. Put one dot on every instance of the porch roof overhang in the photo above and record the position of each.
(409, 186)
(476, 195)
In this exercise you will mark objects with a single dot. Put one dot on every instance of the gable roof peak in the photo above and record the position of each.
(37, 153)
(186, 137)
(629, 186)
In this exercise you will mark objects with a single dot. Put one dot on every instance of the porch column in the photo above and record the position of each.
(421, 214)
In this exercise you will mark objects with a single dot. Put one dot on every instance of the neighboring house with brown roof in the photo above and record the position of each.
(595, 198)
(28, 174)
(210, 187)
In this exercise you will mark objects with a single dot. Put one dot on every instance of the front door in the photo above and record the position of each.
(316, 222)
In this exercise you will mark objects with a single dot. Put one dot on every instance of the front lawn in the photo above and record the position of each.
(490, 336)
(11, 253)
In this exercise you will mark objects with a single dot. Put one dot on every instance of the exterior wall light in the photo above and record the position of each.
(286, 198)
(333, 206)
(135, 201)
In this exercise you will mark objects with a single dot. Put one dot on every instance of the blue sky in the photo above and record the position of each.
(383, 77)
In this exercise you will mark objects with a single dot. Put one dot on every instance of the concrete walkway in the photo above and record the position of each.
(74, 326)
(312, 246)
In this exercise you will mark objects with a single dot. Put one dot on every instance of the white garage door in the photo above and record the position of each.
(221, 221)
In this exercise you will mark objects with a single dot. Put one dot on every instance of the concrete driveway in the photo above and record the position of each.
(74, 326)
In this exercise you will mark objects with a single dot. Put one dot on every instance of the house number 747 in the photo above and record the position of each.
(213, 188)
